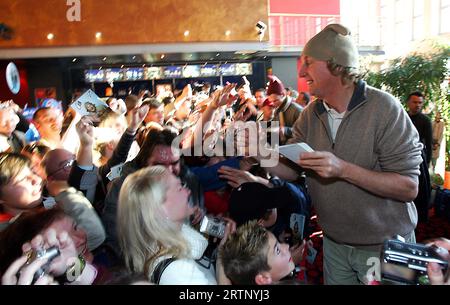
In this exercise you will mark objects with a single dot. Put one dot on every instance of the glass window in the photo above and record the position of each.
(444, 20)
(418, 20)
(418, 7)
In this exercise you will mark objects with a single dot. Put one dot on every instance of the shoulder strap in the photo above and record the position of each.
(162, 265)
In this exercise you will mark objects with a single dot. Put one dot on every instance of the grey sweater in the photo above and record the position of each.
(377, 134)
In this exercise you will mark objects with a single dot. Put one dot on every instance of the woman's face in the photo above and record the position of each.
(176, 204)
(77, 234)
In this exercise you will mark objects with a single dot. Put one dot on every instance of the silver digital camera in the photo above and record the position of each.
(50, 253)
(213, 226)
(406, 263)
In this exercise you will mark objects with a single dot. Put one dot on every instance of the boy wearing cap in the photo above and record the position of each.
(363, 174)
(286, 112)
(252, 255)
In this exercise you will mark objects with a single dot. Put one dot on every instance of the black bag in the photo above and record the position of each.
(157, 273)
(442, 203)
(422, 200)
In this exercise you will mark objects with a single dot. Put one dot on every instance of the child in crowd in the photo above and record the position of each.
(252, 255)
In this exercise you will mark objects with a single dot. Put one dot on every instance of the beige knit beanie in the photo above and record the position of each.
(333, 43)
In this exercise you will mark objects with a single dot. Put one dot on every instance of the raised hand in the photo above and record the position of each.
(85, 129)
(197, 215)
(236, 177)
(229, 229)
(136, 117)
(187, 91)
(246, 88)
(224, 96)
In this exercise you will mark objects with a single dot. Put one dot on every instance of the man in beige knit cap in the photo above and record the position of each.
(363, 174)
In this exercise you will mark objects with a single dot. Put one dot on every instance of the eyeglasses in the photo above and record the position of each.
(68, 164)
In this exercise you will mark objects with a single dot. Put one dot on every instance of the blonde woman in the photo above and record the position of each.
(153, 207)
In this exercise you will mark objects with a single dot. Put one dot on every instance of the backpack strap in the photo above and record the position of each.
(162, 265)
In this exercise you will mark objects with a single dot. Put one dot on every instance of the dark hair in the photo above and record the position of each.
(154, 137)
(37, 113)
(415, 93)
(35, 148)
(152, 103)
(121, 276)
(261, 90)
(167, 100)
(306, 97)
(22, 230)
(131, 101)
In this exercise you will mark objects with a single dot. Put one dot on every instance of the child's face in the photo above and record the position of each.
(279, 259)
(23, 192)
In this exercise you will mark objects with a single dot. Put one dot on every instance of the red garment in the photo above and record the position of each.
(5, 217)
(275, 86)
(216, 203)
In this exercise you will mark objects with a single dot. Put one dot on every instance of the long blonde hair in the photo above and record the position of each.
(145, 233)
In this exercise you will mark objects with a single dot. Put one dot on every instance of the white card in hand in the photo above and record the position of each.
(116, 171)
(293, 151)
(49, 202)
(297, 224)
(89, 104)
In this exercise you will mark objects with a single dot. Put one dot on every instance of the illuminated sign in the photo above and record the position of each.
(93, 76)
(173, 72)
(191, 71)
(154, 73)
(169, 72)
(209, 70)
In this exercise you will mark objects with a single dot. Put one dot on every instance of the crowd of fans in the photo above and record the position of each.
(123, 194)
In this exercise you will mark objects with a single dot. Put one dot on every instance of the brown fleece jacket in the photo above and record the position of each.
(377, 134)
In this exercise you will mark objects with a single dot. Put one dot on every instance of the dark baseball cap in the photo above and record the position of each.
(252, 200)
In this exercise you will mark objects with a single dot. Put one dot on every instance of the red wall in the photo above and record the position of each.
(313, 7)
(305, 7)
(23, 96)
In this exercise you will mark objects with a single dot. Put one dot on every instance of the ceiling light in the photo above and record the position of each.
(134, 57)
(228, 33)
(104, 58)
(122, 66)
(74, 60)
(50, 36)
(186, 33)
(218, 54)
(98, 35)
(162, 56)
